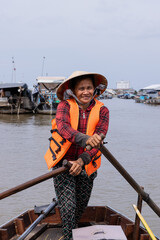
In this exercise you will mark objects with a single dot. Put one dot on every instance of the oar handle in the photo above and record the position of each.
(36, 180)
(88, 147)
(67, 164)
(127, 176)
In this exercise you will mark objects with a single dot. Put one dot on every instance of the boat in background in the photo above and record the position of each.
(15, 98)
(44, 94)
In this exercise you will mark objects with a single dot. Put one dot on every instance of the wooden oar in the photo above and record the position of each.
(127, 176)
(36, 180)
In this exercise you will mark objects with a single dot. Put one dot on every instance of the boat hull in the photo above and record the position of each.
(50, 227)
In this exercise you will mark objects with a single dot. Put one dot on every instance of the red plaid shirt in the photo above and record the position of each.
(65, 129)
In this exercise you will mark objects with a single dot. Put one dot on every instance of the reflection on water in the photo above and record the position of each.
(133, 138)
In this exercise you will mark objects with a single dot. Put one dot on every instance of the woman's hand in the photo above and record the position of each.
(94, 141)
(76, 167)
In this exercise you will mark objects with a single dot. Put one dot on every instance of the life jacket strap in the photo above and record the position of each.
(63, 139)
(53, 154)
(94, 161)
(59, 147)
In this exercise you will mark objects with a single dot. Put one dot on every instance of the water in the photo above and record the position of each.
(133, 138)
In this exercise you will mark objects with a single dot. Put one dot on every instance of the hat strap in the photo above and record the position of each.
(68, 93)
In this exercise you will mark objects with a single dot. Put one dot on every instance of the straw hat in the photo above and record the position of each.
(100, 82)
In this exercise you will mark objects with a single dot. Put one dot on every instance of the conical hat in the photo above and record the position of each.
(98, 79)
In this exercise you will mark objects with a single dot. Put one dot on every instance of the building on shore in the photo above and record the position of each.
(123, 85)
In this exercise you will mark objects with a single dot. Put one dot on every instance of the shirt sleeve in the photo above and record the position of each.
(63, 122)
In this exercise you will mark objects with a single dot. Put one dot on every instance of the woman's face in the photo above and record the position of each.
(84, 90)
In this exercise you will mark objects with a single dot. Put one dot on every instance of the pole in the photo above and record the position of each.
(127, 176)
(43, 66)
(130, 180)
(40, 218)
(34, 181)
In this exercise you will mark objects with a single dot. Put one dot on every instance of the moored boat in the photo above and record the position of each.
(153, 101)
(15, 98)
(44, 94)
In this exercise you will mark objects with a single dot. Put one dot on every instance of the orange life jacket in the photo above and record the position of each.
(59, 146)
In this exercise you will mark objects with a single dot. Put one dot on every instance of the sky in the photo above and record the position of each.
(119, 39)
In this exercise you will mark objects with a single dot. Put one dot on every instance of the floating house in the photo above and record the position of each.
(44, 94)
(149, 94)
(15, 98)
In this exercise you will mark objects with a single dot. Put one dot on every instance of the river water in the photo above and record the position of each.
(133, 138)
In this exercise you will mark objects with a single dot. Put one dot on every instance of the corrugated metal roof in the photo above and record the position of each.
(13, 85)
(50, 79)
(153, 86)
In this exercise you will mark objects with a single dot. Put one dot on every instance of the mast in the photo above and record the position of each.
(13, 70)
(43, 66)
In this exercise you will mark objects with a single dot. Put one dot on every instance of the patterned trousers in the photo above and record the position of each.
(73, 194)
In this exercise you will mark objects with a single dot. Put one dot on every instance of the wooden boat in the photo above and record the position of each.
(44, 94)
(50, 227)
(15, 98)
(45, 222)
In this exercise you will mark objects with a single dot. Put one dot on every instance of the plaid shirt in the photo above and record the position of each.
(65, 129)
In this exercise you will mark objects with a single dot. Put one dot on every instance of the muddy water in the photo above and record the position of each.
(133, 138)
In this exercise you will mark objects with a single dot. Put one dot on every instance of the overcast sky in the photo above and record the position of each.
(117, 38)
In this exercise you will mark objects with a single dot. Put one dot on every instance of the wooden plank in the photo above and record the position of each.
(53, 218)
(109, 212)
(3, 234)
(26, 219)
(137, 219)
(129, 231)
(89, 215)
(114, 219)
(100, 214)
(20, 225)
(51, 233)
(32, 215)
(37, 231)
(10, 229)
(145, 237)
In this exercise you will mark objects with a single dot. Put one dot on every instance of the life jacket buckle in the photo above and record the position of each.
(58, 149)
(63, 141)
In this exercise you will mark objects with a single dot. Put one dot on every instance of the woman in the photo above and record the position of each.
(80, 119)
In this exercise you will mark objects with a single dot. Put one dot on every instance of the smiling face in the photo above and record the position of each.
(84, 90)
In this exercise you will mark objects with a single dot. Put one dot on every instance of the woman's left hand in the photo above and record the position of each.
(76, 167)
(94, 141)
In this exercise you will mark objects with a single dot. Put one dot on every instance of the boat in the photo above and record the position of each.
(50, 227)
(15, 98)
(44, 94)
(141, 98)
(153, 101)
(44, 222)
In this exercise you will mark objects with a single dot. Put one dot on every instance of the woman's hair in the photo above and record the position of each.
(73, 83)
